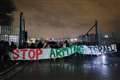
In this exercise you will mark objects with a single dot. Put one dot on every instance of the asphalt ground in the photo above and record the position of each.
(82, 68)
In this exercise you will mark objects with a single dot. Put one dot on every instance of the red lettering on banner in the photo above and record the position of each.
(31, 52)
(24, 52)
(15, 54)
(38, 53)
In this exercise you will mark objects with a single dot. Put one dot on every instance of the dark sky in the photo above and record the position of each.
(58, 18)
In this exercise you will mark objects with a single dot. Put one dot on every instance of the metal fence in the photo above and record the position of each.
(7, 34)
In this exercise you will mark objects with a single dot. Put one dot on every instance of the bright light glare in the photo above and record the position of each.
(103, 59)
(103, 56)
(106, 36)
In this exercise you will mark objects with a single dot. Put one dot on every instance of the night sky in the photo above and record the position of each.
(67, 18)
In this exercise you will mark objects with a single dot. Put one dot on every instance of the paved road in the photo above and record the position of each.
(97, 68)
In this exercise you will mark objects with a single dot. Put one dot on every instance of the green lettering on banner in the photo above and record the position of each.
(62, 52)
(75, 49)
(81, 50)
(66, 50)
(56, 53)
(59, 53)
(78, 49)
(72, 49)
(52, 53)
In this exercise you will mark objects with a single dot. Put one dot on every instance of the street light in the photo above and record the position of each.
(106, 36)
(106, 39)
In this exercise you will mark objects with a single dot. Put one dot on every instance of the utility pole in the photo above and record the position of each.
(97, 33)
(21, 30)
(95, 26)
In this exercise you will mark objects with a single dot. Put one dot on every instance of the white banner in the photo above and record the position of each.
(37, 54)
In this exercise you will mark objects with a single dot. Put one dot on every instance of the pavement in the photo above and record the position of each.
(96, 68)
(10, 72)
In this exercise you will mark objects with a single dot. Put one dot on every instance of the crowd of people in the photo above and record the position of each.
(46, 44)
(6, 47)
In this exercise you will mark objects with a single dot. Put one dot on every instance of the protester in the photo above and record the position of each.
(40, 44)
(13, 46)
(32, 45)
